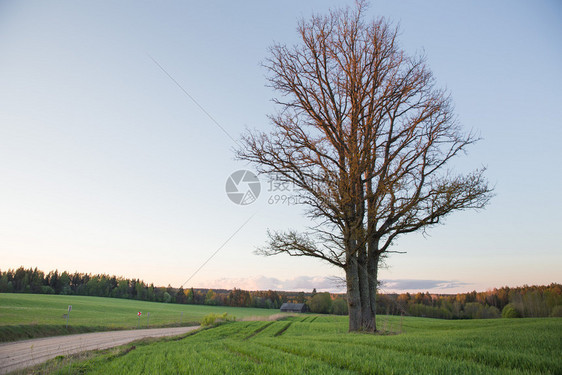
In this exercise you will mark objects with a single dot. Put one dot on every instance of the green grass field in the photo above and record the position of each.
(320, 345)
(36, 315)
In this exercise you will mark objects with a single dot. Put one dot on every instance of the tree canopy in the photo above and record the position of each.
(365, 133)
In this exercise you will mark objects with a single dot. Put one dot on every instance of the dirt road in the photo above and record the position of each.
(22, 354)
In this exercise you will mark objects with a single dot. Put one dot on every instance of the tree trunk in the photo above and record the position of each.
(353, 296)
(373, 255)
(367, 317)
(373, 267)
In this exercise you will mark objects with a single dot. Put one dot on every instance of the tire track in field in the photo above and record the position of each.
(282, 330)
(21, 354)
(467, 356)
(318, 359)
(258, 330)
(231, 348)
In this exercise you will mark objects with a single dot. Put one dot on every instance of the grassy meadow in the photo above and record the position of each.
(39, 315)
(321, 345)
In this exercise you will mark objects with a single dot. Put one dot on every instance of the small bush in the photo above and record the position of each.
(492, 312)
(556, 312)
(509, 311)
(213, 319)
(339, 307)
(45, 289)
(418, 309)
(320, 303)
(167, 297)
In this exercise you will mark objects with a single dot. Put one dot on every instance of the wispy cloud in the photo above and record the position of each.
(419, 284)
(332, 284)
(298, 283)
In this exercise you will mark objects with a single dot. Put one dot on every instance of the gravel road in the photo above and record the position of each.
(21, 354)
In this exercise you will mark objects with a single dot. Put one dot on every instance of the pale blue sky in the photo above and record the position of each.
(106, 166)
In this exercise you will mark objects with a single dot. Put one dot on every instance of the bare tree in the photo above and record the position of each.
(367, 136)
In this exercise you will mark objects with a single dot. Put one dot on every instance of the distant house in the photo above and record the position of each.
(293, 307)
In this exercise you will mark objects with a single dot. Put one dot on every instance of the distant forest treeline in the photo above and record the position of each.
(526, 301)
(519, 302)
